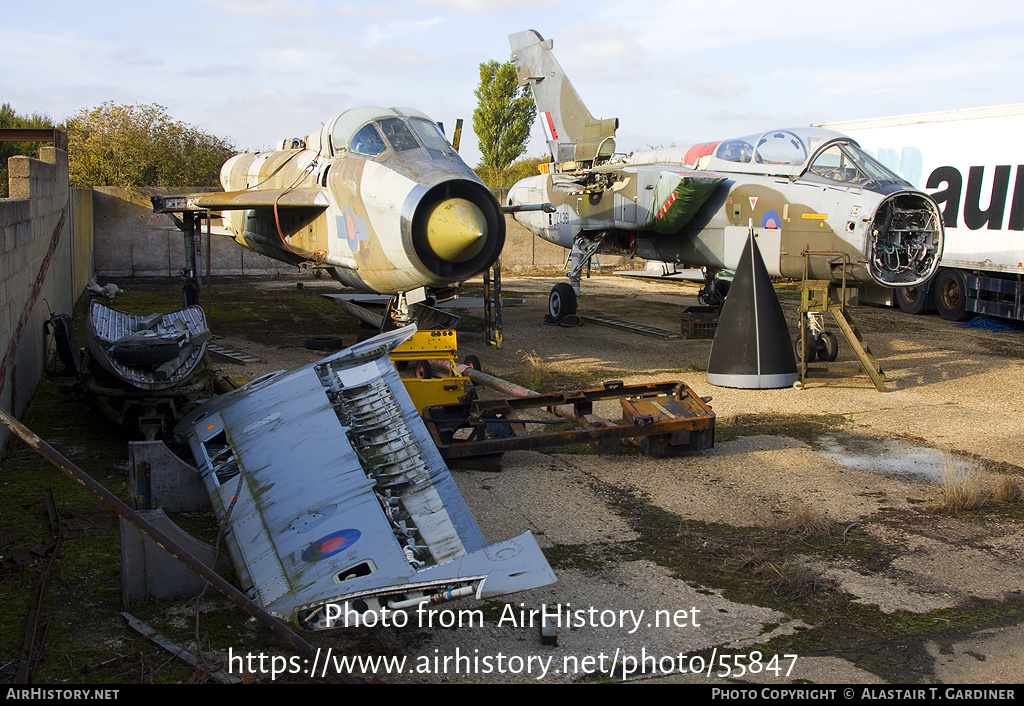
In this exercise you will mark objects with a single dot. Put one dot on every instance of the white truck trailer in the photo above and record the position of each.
(972, 163)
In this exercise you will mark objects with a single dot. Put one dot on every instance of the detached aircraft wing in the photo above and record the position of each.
(338, 502)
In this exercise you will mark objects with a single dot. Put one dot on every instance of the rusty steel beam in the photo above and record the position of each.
(58, 137)
(276, 626)
(662, 418)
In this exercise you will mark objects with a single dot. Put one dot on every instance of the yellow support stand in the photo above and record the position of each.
(435, 378)
(823, 296)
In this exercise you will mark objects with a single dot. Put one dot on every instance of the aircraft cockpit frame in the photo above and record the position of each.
(813, 153)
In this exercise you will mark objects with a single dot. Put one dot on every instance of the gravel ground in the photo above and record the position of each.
(834, 465)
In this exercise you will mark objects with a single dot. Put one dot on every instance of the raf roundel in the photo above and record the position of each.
(330, 545)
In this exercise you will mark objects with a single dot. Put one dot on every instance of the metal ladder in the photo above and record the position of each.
(818, 297)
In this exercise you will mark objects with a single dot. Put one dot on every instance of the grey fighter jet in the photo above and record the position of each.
(799, 189)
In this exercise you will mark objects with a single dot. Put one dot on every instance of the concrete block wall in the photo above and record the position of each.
(132, 241)
(524, 251)
(35, 265)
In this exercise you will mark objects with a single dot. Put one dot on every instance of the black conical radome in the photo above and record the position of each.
(752, 348)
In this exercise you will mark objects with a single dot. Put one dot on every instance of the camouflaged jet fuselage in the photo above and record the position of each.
(377, 196)
(800, 190)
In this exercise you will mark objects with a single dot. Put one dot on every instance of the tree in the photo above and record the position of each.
(520, 169)
(10, 119)
(140, 145)
(502, 120)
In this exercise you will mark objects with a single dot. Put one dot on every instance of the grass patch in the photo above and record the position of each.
(1007, 490)
(796, 426)
(962, 487)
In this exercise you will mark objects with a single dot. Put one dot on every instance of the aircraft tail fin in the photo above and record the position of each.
(574, 135)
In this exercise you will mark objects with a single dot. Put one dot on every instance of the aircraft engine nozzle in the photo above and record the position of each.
(456, 230)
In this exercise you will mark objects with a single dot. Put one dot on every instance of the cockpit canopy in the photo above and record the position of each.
(371, 131)
(824, 155)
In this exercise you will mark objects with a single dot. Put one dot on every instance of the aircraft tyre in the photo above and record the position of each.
(811, 352)
(561, 302)
(190, 293)
(951, 295)
(913, 300)
(828, 347)
(324, 343)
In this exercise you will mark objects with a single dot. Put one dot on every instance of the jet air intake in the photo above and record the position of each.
(457, 230)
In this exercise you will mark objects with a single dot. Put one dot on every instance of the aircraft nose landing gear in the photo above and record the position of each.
(561, 302)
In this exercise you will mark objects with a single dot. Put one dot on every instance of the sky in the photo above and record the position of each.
(673, 72)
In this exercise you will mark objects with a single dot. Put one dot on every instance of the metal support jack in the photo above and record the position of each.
(492, 304)
(818, 297)
(190, 224)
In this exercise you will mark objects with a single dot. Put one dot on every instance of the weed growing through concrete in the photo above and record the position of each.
(803, 521)
(539, 374)
(961, 485)
(1007, 490)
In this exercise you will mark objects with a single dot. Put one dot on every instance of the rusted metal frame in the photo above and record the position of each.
(582, 400)
(576, 405)
(468, 449)
(28, 661)
(217, 675)
(58, 137)
(276, 626)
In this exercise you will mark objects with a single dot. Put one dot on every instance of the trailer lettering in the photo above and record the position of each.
(974, 216)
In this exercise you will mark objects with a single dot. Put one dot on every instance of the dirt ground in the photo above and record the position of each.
(813, 544)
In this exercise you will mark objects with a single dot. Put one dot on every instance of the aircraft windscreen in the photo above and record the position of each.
(367, 141)
(398, 134)
(847, 164)
(430, 136)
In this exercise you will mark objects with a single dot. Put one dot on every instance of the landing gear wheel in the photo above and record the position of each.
(951, 295)
(472, 361)
(811, 352)
(828, 347)
(561, 302)
(423, 370)
(190, 293)
(324, 343)
(913, 300)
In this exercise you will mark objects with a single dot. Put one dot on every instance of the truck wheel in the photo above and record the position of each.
(951, 295)
(913, 300)
(561, 302)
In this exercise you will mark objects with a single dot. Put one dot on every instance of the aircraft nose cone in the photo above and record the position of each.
(456, 230)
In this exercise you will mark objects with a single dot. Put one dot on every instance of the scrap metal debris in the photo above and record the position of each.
(341, 508)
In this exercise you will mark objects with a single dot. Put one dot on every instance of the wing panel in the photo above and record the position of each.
(302, 197)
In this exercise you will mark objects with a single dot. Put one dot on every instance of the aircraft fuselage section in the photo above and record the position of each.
(383, 203)
(789, 217)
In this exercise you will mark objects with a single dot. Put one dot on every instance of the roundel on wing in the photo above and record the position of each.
(330, 545)
(771, 220)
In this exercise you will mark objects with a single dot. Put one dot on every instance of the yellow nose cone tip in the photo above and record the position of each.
(456, 230)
